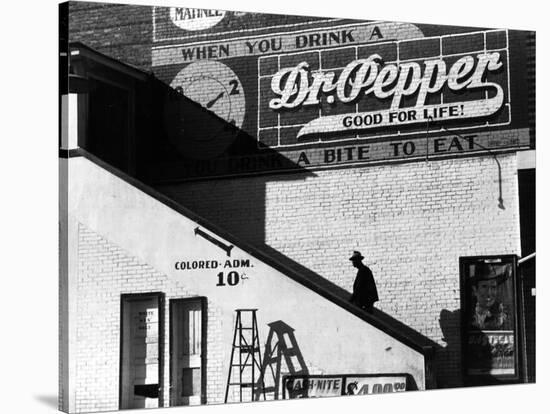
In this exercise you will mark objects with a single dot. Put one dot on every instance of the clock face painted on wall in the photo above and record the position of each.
(216, 88)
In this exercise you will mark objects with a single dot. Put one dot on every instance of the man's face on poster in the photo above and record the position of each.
(485, 292)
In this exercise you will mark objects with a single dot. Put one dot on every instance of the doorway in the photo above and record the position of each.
(141, 350)
(188, 351)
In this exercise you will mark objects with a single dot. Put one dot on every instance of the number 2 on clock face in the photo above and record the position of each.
(234, 87)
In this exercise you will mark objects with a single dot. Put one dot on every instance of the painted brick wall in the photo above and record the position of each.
(106, 271)
(412, 222)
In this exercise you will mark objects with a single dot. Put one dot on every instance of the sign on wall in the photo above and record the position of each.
(191, 24)
(332, 93)
(489, 318)
(310, 386)
(384, 88)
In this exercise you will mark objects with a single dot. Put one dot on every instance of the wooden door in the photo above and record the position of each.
(186, 351)
(140, 386)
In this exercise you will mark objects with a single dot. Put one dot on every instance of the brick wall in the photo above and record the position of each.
(106, 271)
(121, 31)
(411, 221)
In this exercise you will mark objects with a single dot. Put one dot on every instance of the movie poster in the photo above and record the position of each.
(489, 318)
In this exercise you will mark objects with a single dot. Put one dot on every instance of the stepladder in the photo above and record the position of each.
(245, 379)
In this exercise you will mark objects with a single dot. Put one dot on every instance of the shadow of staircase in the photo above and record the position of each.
(342, 296)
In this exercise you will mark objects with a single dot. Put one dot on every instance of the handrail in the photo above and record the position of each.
(527, 258)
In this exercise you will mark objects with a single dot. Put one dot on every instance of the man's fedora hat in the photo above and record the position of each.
(486, 271)
(356, 256)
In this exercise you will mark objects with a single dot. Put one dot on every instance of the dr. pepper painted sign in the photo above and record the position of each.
(326, 93)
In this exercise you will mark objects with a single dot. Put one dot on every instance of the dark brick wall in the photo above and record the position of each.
(527, 211)
(121, 31)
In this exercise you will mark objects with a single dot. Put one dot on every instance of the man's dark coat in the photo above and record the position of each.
(364, 287)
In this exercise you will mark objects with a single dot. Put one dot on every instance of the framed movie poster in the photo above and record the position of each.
(490, 348)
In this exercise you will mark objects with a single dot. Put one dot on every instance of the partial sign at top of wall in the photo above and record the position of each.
(186, 24)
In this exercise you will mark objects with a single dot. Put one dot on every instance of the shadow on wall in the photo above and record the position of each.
(282, 356)
(189, 150)
(200, 146)
(482, 356)
(450, 355)
(342, 295)
(169, 139)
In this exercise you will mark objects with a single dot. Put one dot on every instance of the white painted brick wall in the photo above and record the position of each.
(411, 221)
(105, 272)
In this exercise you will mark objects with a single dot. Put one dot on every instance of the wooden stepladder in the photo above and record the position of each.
(246, 359)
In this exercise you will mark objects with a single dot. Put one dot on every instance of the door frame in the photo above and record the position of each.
(160, 296)
(204, 327)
